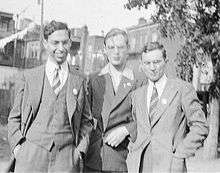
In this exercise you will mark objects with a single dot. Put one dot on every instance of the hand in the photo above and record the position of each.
(76, 156)
(184, 151)
(116, 136)
(16, 150)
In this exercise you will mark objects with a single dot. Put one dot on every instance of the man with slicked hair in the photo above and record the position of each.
(171, 125)
(111, 107)
(50, 123)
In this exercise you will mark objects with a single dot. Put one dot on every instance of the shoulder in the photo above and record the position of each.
(30, 73)
(139, 91)
(94, 76)
(140, 79)
(182, 85)
(75, 70)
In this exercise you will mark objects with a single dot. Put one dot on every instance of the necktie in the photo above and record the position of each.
(56, 81)
(153, 103)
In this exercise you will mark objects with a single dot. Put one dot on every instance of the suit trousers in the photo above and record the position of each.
(34, 158)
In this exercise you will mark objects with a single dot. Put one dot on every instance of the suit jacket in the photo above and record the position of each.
(28, 98)
(110, 112)
(178, 123)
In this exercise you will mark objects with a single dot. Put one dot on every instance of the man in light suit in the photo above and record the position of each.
(50, 122)
(111, 107)
(171, 125)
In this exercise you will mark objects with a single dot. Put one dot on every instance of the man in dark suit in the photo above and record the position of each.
(111, 108)
(171, 125)
(50, 122)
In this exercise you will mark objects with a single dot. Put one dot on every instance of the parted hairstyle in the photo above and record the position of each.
(154, 46)
(54, 26)
(116, 31)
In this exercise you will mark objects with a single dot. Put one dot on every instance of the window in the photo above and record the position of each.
(4, 26)
(133, 42)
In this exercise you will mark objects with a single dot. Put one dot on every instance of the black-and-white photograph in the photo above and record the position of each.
(109, 86)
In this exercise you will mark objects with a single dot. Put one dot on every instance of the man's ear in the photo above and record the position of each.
(140, 67)
(128, 46)
(70, 42)
(166, 60)
(105, 54)
(105, 51)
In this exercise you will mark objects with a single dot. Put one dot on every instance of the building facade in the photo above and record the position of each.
(95, 59)
(6, 24)
(145, 32)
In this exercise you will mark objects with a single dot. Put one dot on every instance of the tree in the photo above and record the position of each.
(197, 22)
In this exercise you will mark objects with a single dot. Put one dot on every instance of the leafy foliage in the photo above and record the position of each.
(197, 22)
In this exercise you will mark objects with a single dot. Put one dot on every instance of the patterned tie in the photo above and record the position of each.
(153, 103)
(56, 81)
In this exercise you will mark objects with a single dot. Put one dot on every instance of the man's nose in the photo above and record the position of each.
(116, 50)
(152, 66)
(61, 46)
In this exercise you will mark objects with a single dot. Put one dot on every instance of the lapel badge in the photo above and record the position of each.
(164, 101)
(75, 91)
(129, 84)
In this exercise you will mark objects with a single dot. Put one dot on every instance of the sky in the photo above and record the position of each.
(98, 15)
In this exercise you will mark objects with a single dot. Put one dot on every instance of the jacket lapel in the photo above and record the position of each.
(144, 106)
(124, 88)
(108, 97)
(166, 98)
(36, 88)
(73, 88)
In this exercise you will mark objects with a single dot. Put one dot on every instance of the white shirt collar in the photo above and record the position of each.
(51, 66)
(109, 68)
(50, 70)
(160, 84)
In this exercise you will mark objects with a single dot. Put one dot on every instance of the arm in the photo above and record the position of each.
(119, 133)
(14, 120)
(196, 121)
(132, 125)
(86, 119)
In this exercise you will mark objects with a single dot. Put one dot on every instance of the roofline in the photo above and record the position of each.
(135, 27)
(7, 14)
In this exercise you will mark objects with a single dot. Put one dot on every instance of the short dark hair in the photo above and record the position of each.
(154, 46)
(54, 26)
(116, 31)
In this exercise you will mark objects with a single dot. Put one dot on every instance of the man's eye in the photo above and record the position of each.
(65, 42)
(146, 63)
(157, 62)
(111, 47)
(121, 47)
(55, 42)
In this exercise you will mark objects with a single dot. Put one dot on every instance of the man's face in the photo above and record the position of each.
(58, 45)
(116, 50)
(153, 64)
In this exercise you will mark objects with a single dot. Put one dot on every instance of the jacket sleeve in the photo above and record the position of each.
(14, 120)
(86, 118)
(132, 125)
(196, 121)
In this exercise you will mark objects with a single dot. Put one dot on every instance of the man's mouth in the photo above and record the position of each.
(60, 54)
(116, 58)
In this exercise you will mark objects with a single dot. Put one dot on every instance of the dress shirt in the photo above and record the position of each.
(117, 75)
(51, 69)
(160, 85)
